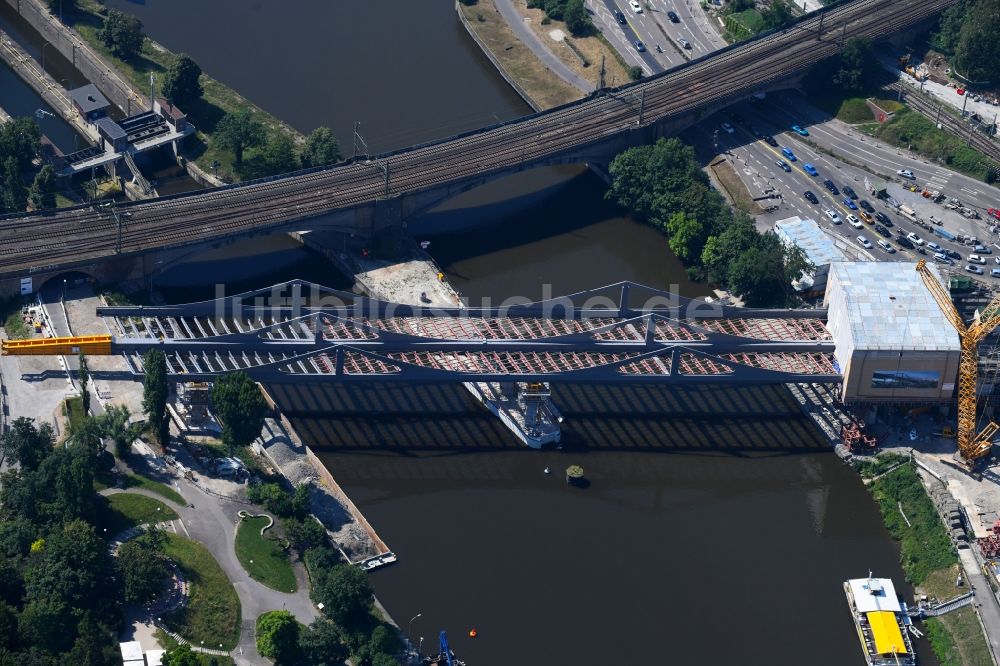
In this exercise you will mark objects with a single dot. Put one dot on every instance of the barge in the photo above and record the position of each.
(881, 620)
(524, 407)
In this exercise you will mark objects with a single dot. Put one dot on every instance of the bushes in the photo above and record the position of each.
(909, 128)
(572, 12)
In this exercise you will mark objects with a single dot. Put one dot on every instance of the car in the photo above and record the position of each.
(995, 272)
(830, 186)
(903, 241)
(850, 204)
(636, 7)
(849, 191)
(789, 154)
(996, 260)
(683, 42)
(639, 46)
(906, 173)
(888, 249)
(882, 231)
(883, 218)
(729, 128)
(952, 254)
(784, 165)
(959, 91)
(864, 205)
(866, 217)
(810, 197)
(855, 222)
(864, 242)
(832, 214)
(983, 249)
(915, 239)
(976, 259)
(674, 18)
(933, 246)
(994, 212)
(810, 169)
(974, 269)
(770, 140)
(620, 17)
(800, 131)
(942, 258)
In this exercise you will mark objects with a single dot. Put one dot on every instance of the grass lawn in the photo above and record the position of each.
(161, 489)
(125, 510)
(263, 557)
(73, 408)
(212, 614)
(909, 129)
(15, 326)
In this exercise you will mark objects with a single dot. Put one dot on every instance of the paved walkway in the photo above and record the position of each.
(212, 522)
(539, 47)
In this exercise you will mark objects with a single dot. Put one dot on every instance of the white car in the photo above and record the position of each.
(976, 259)
(636, 7)
(904, 173)
(729, 128)
(833, 216)
(915, 239)
(888, 249)
(933, 246)
(854, 221)
(974, 269)
(864, 242)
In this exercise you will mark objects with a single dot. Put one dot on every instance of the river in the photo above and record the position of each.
(716, 527)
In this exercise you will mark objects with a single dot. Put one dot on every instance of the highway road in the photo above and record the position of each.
(78, 236)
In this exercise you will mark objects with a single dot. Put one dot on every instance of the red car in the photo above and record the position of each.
(960, 91)
(995, 212)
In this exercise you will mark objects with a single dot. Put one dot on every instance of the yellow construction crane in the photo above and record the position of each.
(971, 445)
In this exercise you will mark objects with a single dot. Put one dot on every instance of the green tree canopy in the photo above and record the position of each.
(238, 131)
(949, 26)
(154, 393)
(122, 34)
(181, 655)
(42, 193)
(140, 566)
(344, 591)
(321, 148)
(21, 139)
(278, 636)
(854, 59)
(322, 644)
(182, 81)
(83, 376)
(115, 425)
(26, 444)
(977, 54)
(241, 408)
(279, 153)
(15, 195)
(577, 19)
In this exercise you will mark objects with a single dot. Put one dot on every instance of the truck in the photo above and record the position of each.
(945, 234)
(908, 213)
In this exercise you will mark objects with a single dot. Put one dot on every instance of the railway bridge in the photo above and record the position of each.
(370, 195)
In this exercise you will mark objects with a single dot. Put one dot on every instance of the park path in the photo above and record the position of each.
(212, 522)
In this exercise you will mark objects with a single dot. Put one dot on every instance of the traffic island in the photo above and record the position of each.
(264, 558)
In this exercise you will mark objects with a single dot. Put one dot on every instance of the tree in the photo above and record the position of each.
(140, 566)
(853, 60)
(344, 591)
(279, 153)
(300, 501)
(241, 408)
(181, 81)
(383, 659)
(272, 496)
(42, 193)
(83, 374)
(181, 655)
(577, 19)
(238, 131)
(21, 139)
(687, 236)
(635, 72)
(154, 393)
(777, 15)
(25, 444)
(278, 636)
(115, 425)
(15, 196)
(122, 34)
(950, 26)
(321, 148)
(977, 54)
(383, 640)
(322, 644)
(304, 534)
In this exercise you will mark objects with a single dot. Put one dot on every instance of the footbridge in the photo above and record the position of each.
(369, 195)
(302, 332)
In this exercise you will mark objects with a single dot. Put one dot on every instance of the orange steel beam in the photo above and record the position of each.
(95, 345)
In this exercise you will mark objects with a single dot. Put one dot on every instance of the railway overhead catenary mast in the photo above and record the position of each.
(971, 445)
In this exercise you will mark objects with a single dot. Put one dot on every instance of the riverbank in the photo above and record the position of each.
(85, 20)
(931, 564)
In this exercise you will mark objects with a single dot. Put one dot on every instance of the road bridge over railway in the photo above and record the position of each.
(371, 196)
(300, 332)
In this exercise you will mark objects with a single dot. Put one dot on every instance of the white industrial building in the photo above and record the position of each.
(893, 343)
(818, 247)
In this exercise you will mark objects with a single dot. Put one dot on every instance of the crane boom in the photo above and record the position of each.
(971, 445)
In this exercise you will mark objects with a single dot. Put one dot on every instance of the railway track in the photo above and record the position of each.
(84, 234)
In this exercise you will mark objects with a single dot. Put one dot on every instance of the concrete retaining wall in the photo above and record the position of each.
(69, 43)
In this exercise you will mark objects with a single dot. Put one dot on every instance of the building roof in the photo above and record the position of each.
(154, 657)
(886, 305)
(110, 129)
(874, 594)
(89, 98)
(131, 651)
(813, 241)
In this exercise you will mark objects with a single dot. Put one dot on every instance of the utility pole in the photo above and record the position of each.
(152, 83)
(937, 121)
(642, 106)
(601, 86)
(843, 34)
(819, 31)
(386, 168)
(356, 126)
(972, 126)
(965, 102)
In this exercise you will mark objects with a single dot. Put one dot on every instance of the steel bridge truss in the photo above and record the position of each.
(302, 332)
